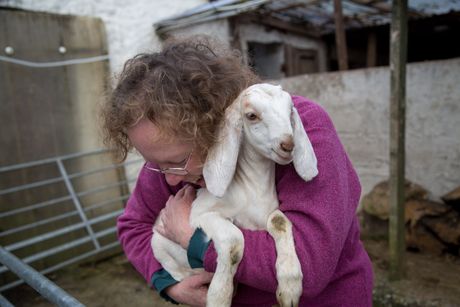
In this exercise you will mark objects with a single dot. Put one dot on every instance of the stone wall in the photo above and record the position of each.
(358, 103)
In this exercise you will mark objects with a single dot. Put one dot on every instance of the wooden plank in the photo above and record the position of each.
(398, 55)
(235, 39)
(299, 61)
(340, 37)
(278, 24)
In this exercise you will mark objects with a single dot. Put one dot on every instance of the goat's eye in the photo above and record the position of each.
(251, 116)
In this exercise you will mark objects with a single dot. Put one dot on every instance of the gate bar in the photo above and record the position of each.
(40, 283)
(77, 203)
(4, 302)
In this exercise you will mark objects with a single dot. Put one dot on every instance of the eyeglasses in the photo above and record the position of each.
(181, 171)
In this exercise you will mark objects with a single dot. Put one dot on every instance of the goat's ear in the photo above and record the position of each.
(304, 156)
(220, 165)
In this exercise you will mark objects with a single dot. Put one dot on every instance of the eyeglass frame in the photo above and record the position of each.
(180, 171)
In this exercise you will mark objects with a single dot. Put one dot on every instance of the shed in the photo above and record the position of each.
(291, 37)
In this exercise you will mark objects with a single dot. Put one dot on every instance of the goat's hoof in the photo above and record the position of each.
(289, 292)
(286, 301)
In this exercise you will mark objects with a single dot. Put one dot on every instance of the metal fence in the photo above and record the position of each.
(43, 285)
(71, 213)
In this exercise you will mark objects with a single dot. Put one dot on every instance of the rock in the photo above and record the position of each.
(376, 202)
(372, 227)
(453, 198)
(418, 235)
(419, 238)
(431, 227)
(446, 228)
(416, 209)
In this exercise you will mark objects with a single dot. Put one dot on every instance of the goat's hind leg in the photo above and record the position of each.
(229, 243)
(288, 269)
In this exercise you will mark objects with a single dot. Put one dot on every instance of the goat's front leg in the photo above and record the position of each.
(288, 270)
(229, 243)
(172, 257)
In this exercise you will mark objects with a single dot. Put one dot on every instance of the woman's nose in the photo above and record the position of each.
(173, 180)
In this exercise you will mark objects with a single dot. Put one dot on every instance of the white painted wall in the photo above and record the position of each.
(358, 103)
(218, 29)
(129, 24)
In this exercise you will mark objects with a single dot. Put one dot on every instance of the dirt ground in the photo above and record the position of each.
(432, 281)
(113, 282)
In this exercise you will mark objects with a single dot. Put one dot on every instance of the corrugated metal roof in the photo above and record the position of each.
(207, 12)
(316, 14)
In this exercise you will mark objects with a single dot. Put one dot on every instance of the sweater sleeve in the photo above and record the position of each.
(321, 211)
(161, 280)
(136, 222)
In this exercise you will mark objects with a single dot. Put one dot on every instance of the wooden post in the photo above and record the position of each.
(371, 60)
(340, 38)
(398, 54)
(235, 39)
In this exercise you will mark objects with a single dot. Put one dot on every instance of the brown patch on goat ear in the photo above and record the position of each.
(279, 223)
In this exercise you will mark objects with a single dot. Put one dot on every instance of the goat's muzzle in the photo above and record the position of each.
(287, 144)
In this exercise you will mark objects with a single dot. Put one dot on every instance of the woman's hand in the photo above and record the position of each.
(191, 290)
(175, 217)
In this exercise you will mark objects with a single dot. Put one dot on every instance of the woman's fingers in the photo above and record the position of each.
(190, 193)
(159, 226)
(180, 193)
(202, 278)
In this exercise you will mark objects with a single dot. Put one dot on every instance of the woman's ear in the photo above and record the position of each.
(305, 162)
(220, 165)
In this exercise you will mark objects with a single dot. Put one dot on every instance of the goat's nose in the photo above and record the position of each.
(287, 144)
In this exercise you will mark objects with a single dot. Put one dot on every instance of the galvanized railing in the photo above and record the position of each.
(43, 285)
(83, 214)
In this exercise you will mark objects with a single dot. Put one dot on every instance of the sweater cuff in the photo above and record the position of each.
(161, 280)
(197, 248)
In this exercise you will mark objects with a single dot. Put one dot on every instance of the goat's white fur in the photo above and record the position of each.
(240, 178)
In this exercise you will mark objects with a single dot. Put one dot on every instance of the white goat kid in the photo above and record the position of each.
(261, 127)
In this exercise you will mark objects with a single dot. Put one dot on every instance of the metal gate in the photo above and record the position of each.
(81, 221)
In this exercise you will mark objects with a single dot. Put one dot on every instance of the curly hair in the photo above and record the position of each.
(184, 90)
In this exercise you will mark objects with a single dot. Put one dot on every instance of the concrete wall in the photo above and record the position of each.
(129, 25)
(358, 102)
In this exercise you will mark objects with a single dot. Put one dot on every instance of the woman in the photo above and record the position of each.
(168, 107)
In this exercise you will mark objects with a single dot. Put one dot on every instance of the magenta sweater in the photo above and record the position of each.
(336, 268)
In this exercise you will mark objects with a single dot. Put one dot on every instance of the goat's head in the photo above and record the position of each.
(271, 124)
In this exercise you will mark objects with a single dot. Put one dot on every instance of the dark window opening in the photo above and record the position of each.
(266, 59)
